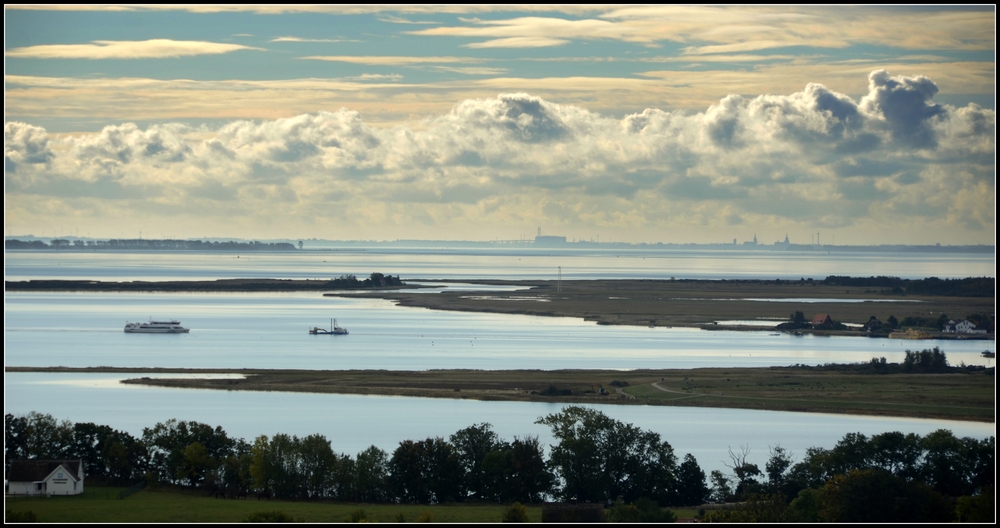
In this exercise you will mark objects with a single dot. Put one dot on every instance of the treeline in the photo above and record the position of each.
(597, 459)
(145, 244)
(968, 287)
(375, 280)
(926, 361)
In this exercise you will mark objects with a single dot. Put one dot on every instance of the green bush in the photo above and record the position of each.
(20, 517)
(357, 516)
(641, 511)
(516, 513)
(275, 516)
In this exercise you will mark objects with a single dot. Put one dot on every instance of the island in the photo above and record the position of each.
(922, 386)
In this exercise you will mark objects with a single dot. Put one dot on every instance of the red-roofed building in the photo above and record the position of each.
(822, 320)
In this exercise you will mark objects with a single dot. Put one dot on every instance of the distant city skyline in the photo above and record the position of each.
(675, 124)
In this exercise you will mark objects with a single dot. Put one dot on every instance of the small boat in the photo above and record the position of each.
(156, 327)
(334, 329)
(988, 354)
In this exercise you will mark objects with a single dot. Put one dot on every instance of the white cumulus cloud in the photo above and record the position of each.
(809, 158)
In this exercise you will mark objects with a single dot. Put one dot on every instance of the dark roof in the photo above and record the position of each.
(820, 318)
(37, 469)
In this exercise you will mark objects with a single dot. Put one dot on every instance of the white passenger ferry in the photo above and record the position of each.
(156, 327)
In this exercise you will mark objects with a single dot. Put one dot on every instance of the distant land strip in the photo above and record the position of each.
(961, 393)
(537, 244)
(140, 244)
(219, 285)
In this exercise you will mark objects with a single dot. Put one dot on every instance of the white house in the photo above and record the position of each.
(45, 477)
(963, 327)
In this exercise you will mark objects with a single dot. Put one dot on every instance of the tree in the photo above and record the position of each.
(746, 473)
(804, 508)
(600, 459)
(194, 463)
(37, 435)
(370, 476)
(691, 487)
(472, 445)
(873, 495)
(516, 513)
(897, 453)
(979, 508)
(958, 466)
(722, 487)
(275, 467)
(318, 466)
(927, 360)
(168, 441)
(517, 472)
(425, 472)
(776, 467)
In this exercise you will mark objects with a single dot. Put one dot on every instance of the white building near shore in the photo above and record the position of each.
(45, 477)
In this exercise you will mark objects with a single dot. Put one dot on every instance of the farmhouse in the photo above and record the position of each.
(963, 327)
(45, 477)
(822, 320)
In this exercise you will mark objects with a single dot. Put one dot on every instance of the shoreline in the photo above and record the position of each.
(960, 394)
(706, 304)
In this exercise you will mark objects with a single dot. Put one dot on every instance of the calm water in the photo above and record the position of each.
(500, 263)
(270, 331)
(265, 330)
(353, 423)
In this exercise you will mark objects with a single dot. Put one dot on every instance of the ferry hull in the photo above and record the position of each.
(157, 331)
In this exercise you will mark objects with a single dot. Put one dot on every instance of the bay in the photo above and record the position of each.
(264, 330)
(270, 330)
(352, 423)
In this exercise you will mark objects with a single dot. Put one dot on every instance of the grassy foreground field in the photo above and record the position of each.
(170, 505)
(957, 395)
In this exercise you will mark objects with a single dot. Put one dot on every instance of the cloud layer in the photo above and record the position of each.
(120, 49)
(890, 166)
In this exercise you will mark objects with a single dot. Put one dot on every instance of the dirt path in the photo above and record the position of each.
(686, 394)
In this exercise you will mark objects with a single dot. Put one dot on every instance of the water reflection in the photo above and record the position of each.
(270, 330)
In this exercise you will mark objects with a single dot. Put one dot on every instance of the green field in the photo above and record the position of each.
(961, 396)
(173, 505)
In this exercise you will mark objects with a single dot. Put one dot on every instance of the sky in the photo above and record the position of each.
(674, 124)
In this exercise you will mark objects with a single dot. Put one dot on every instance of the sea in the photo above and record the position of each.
(270, 330)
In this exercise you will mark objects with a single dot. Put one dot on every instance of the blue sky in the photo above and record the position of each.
(640, 124)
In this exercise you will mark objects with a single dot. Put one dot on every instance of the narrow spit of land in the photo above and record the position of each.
(699, 303)
(219, 285)
(962, 394)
